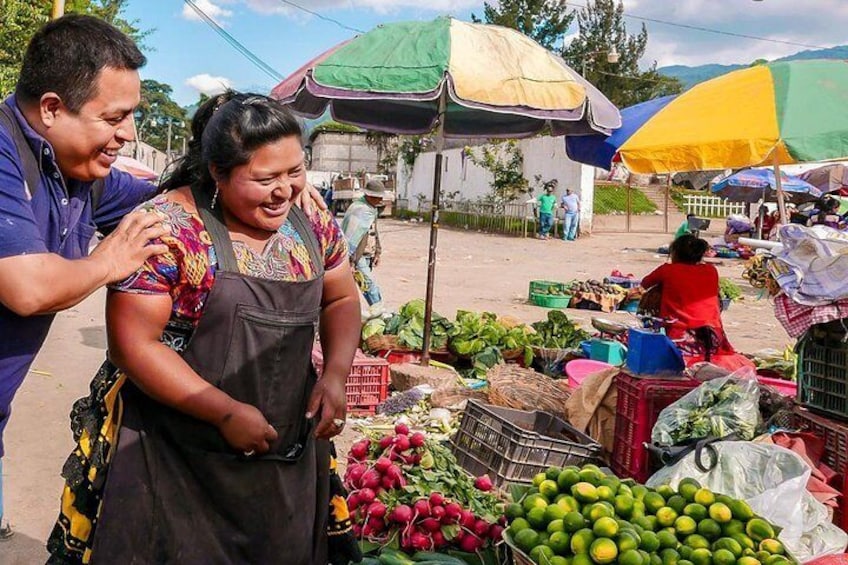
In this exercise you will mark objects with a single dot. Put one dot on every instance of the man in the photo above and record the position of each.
(60, 133)
(360, 228)
(571, 205)
(547, 203)
(72, 111)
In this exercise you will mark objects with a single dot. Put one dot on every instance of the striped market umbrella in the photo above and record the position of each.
(495, 82)
(452, 79)
(773, 114)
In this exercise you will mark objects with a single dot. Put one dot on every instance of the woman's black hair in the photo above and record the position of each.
(688, 249)
(225, 131)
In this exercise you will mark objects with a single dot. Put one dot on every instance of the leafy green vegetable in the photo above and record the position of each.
(558, 332)
(728, 290)
(374, 326)
(408, 326)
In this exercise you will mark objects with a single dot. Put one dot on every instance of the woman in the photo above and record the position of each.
(690, 304)
(222, 454)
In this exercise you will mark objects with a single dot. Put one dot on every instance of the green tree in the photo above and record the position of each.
(602, 28)
(155, 111)
(505, 161)
(20, 19)
(545, 21)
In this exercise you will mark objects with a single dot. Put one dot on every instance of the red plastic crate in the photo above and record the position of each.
(367, 384)
(640, 401)
(835, 456)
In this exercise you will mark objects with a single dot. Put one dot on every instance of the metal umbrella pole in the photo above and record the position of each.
(434, 227)
(781, 197)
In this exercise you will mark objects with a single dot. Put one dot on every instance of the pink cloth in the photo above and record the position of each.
(798, 318)
(810, 448)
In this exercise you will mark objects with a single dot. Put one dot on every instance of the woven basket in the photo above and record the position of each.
(388, 342)
(515, 387)
(449, 396)
(383, 343)
(512, 354)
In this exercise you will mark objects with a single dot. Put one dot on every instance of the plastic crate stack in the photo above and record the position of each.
(512, 446)
(823, 369)
(367, 384)
(823, 391)
(640, 401)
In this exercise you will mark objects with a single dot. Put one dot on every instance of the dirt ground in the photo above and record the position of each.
(474, 271)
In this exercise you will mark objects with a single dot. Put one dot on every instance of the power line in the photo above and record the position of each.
(710, 30)
(249, 55)
(322, 17)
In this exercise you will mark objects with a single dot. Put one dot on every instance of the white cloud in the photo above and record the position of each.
(208, 84)
(817, 23)
(213, 10)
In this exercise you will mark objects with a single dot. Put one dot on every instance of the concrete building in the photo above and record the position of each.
(342, 152)
(543, 156)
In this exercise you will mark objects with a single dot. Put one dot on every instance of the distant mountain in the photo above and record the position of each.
(691, 76)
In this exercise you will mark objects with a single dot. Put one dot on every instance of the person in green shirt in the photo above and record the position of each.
(547, 202)
(684, 227)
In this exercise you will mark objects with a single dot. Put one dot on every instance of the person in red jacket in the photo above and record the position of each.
(690, 304)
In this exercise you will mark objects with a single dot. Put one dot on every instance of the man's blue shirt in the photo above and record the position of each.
(55, 217)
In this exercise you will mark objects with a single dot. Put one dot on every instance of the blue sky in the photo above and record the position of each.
(192, 58)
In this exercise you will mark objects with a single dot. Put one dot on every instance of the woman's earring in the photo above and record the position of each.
(214, 198)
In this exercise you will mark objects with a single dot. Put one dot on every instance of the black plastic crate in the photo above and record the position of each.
(512, 446)
(823, 369)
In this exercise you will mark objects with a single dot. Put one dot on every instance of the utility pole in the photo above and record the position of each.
(58, 9)
(168, 150)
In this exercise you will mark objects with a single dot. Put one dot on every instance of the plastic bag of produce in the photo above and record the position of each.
(773, 481)
(716, 409)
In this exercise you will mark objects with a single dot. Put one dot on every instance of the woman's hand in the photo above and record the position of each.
(328, 401)
(307, 198)
(246, 429)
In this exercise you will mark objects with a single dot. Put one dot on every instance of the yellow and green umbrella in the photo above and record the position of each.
(773, 114)
(497, 83)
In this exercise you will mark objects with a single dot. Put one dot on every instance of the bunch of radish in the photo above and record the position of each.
(378, 470)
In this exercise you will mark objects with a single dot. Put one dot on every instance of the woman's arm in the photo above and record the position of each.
(134, 325)
(654, 278)
(340, 328)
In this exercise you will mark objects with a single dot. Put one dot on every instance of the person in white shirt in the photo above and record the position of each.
(570, 202)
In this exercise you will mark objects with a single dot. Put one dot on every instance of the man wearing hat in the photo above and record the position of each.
(360, 229)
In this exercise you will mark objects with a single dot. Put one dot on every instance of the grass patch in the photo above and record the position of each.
(612, 199)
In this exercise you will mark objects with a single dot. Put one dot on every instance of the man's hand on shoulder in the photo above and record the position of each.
(308, 199)
(125, 249)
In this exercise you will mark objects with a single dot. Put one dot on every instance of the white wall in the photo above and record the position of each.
(542, 156)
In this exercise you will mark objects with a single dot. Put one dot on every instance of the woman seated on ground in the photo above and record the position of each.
(690, 304)
(222, 454)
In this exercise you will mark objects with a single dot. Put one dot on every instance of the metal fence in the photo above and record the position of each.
(712, 206)
(508, 219)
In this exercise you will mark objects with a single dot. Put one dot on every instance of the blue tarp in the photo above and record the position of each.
(599, 150)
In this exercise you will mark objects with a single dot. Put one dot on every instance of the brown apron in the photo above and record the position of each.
(176, 491)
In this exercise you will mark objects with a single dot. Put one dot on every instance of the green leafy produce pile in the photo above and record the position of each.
(408, 325)
(728, 290)
(483, 338)
(574, 516)
(558, 332)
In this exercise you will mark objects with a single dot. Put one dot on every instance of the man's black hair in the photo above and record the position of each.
(67, 55)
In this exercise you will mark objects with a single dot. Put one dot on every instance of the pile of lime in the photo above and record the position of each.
(574, 516)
